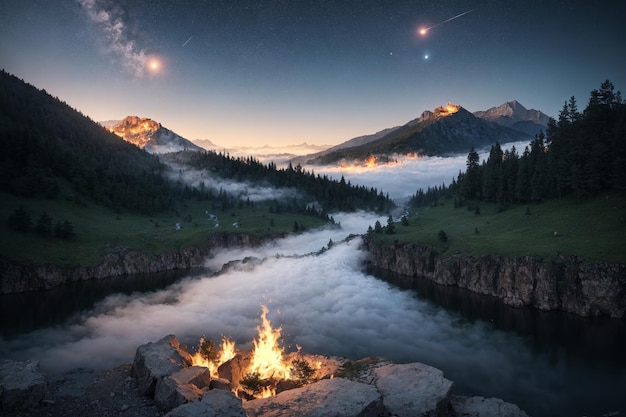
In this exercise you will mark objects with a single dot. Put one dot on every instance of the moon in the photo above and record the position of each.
(154, 65)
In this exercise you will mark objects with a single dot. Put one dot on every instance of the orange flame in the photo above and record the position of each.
(266, 359)
(227, 352)
(267, 356)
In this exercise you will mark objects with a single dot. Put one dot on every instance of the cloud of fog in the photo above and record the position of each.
(326, 303)
(401, 180)
(242, 190)
(109, 18)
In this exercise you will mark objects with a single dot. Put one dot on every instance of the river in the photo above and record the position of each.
(327, 302)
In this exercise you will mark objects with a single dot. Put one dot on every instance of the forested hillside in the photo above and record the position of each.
(582, 154)
(45, 143)
(333, 195)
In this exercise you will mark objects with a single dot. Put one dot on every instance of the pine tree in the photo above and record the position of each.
(44, 225)
(391, 228)
(20, 220)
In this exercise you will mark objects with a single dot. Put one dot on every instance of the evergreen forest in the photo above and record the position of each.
(582, 154)
(45, 145)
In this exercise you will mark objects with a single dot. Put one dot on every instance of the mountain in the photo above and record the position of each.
(205, 144)
(445, 130)
(512, 114)
(48, 148)
(151, 136)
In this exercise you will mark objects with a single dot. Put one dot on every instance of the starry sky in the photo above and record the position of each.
(280, 72)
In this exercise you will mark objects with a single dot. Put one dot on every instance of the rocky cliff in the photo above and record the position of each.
(18, 277)
(565, 283)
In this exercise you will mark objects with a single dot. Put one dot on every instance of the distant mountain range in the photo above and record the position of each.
(445, 130)
(150, 135)
(512, 114)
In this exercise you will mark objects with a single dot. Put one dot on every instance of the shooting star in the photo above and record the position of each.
(187, 41)
(423, 31)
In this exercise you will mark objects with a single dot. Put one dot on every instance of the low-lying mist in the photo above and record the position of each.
(402, 179)
(324, 302)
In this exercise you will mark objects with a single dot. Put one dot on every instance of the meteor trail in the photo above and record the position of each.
(187, 41)
(423, 31)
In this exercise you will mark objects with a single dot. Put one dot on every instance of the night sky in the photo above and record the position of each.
(284, 72)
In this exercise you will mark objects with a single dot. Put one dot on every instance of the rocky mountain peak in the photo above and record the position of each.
(439, 112)
(150, 135)
(514, 115)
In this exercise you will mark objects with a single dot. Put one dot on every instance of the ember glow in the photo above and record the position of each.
(227, 352)
(267, 356)
(267, 362)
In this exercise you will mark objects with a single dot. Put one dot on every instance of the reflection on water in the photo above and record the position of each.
(597, 340)
(25, 312)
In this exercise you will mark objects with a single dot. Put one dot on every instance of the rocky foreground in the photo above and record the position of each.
(162, 382)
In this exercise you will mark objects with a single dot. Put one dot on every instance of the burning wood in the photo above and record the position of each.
(267, 369)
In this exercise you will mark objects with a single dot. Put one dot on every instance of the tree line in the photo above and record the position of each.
(581, 154)
(47, 146)
(331, 194)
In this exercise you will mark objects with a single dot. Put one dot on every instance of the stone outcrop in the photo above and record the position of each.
(155, 361)
(214, 403)
(413, 389)
(22, 277)
(563, 283)
(328, 397)
(369, 387)
(22, 385)
(181, 387)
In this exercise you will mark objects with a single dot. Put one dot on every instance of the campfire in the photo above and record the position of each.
(266, 370)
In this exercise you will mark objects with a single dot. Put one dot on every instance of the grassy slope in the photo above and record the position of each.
(100, 230)
(593, 229)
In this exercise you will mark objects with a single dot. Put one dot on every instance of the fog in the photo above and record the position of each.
(240, 190)
(327, 304)
(402, 179)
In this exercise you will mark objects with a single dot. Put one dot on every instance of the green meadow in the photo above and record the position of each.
(593, 229)
(99, 230)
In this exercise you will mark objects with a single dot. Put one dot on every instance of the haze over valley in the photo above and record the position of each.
(434, 183)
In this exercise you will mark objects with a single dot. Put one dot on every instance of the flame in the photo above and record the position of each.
(227, 352)
(267, 356)
(266, 359)
(413, 155)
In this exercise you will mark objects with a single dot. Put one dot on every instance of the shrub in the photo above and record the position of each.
(302, 372)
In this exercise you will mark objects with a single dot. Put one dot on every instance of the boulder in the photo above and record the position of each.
(234, 369)
(484, 407)
(328, 397)
(154, 361)
(413, 389)
(214, 403)
(22, 385)
(221, 383)
(181, 387)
